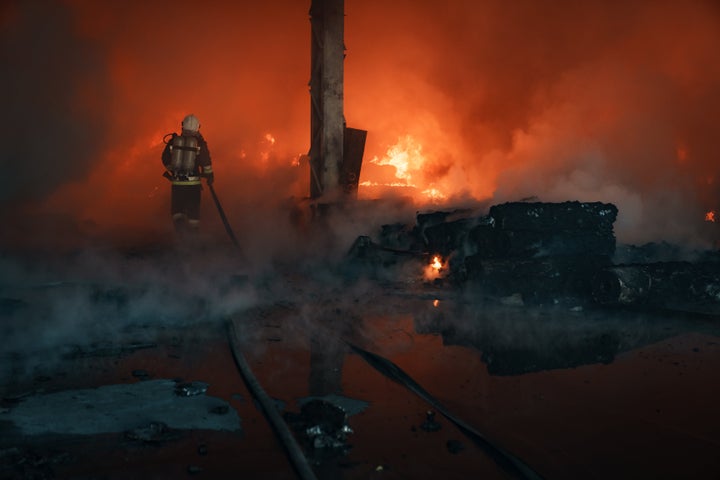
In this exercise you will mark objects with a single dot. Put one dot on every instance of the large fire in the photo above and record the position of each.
(409, 161)
(448, 116)
(407, 158)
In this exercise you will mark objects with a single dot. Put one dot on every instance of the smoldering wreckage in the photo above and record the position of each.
(547, 254)
(518, 260)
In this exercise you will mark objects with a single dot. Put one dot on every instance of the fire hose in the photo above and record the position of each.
(510, 463)
(224, 219)
(503, 458)
(295, 454)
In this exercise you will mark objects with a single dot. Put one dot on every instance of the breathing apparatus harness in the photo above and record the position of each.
(184, 150)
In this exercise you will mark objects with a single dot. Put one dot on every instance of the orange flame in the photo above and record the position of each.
(409, 160)
(406, 156)
(434, 269)
(710, 216)
(436, 302)
(436, 263)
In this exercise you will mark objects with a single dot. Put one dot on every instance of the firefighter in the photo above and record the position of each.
(187, 159)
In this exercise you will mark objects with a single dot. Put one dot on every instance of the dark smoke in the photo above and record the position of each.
(591, 101)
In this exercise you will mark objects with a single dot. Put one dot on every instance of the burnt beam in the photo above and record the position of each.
(327, 121)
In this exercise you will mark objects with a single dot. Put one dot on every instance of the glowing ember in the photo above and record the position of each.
(268, 144)
(436, 302)
(710, 216)
(433, 270)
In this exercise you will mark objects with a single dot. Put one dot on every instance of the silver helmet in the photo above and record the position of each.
(191, 123)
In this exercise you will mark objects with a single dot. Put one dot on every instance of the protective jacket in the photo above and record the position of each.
(186, 158)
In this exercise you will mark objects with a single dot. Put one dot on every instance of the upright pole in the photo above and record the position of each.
(327, 121)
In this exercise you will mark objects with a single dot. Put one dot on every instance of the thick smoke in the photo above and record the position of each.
(569, 100)
(52, 307)
(588, 101)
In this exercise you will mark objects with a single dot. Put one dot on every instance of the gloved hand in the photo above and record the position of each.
(210, 178)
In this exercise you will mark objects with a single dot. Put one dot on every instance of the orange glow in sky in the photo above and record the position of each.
(477, 101)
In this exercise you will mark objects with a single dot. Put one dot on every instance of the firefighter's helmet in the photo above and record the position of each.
(191, 123)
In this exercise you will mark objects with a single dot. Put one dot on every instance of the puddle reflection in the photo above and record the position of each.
(574, 394)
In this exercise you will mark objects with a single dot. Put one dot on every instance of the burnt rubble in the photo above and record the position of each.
(685, 286)
(322, 429)
(547, 254)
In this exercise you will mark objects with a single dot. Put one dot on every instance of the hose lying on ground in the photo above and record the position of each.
(297, 458)
(506, 460)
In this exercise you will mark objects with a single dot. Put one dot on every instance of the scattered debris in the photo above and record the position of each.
(430, 424)
(322, 428)
(191, 389)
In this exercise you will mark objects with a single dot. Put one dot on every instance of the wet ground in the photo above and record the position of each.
(572, 392)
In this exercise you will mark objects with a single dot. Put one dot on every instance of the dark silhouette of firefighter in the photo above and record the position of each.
(187, 159)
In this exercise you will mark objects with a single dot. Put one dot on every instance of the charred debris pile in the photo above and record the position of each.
(539, 253)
